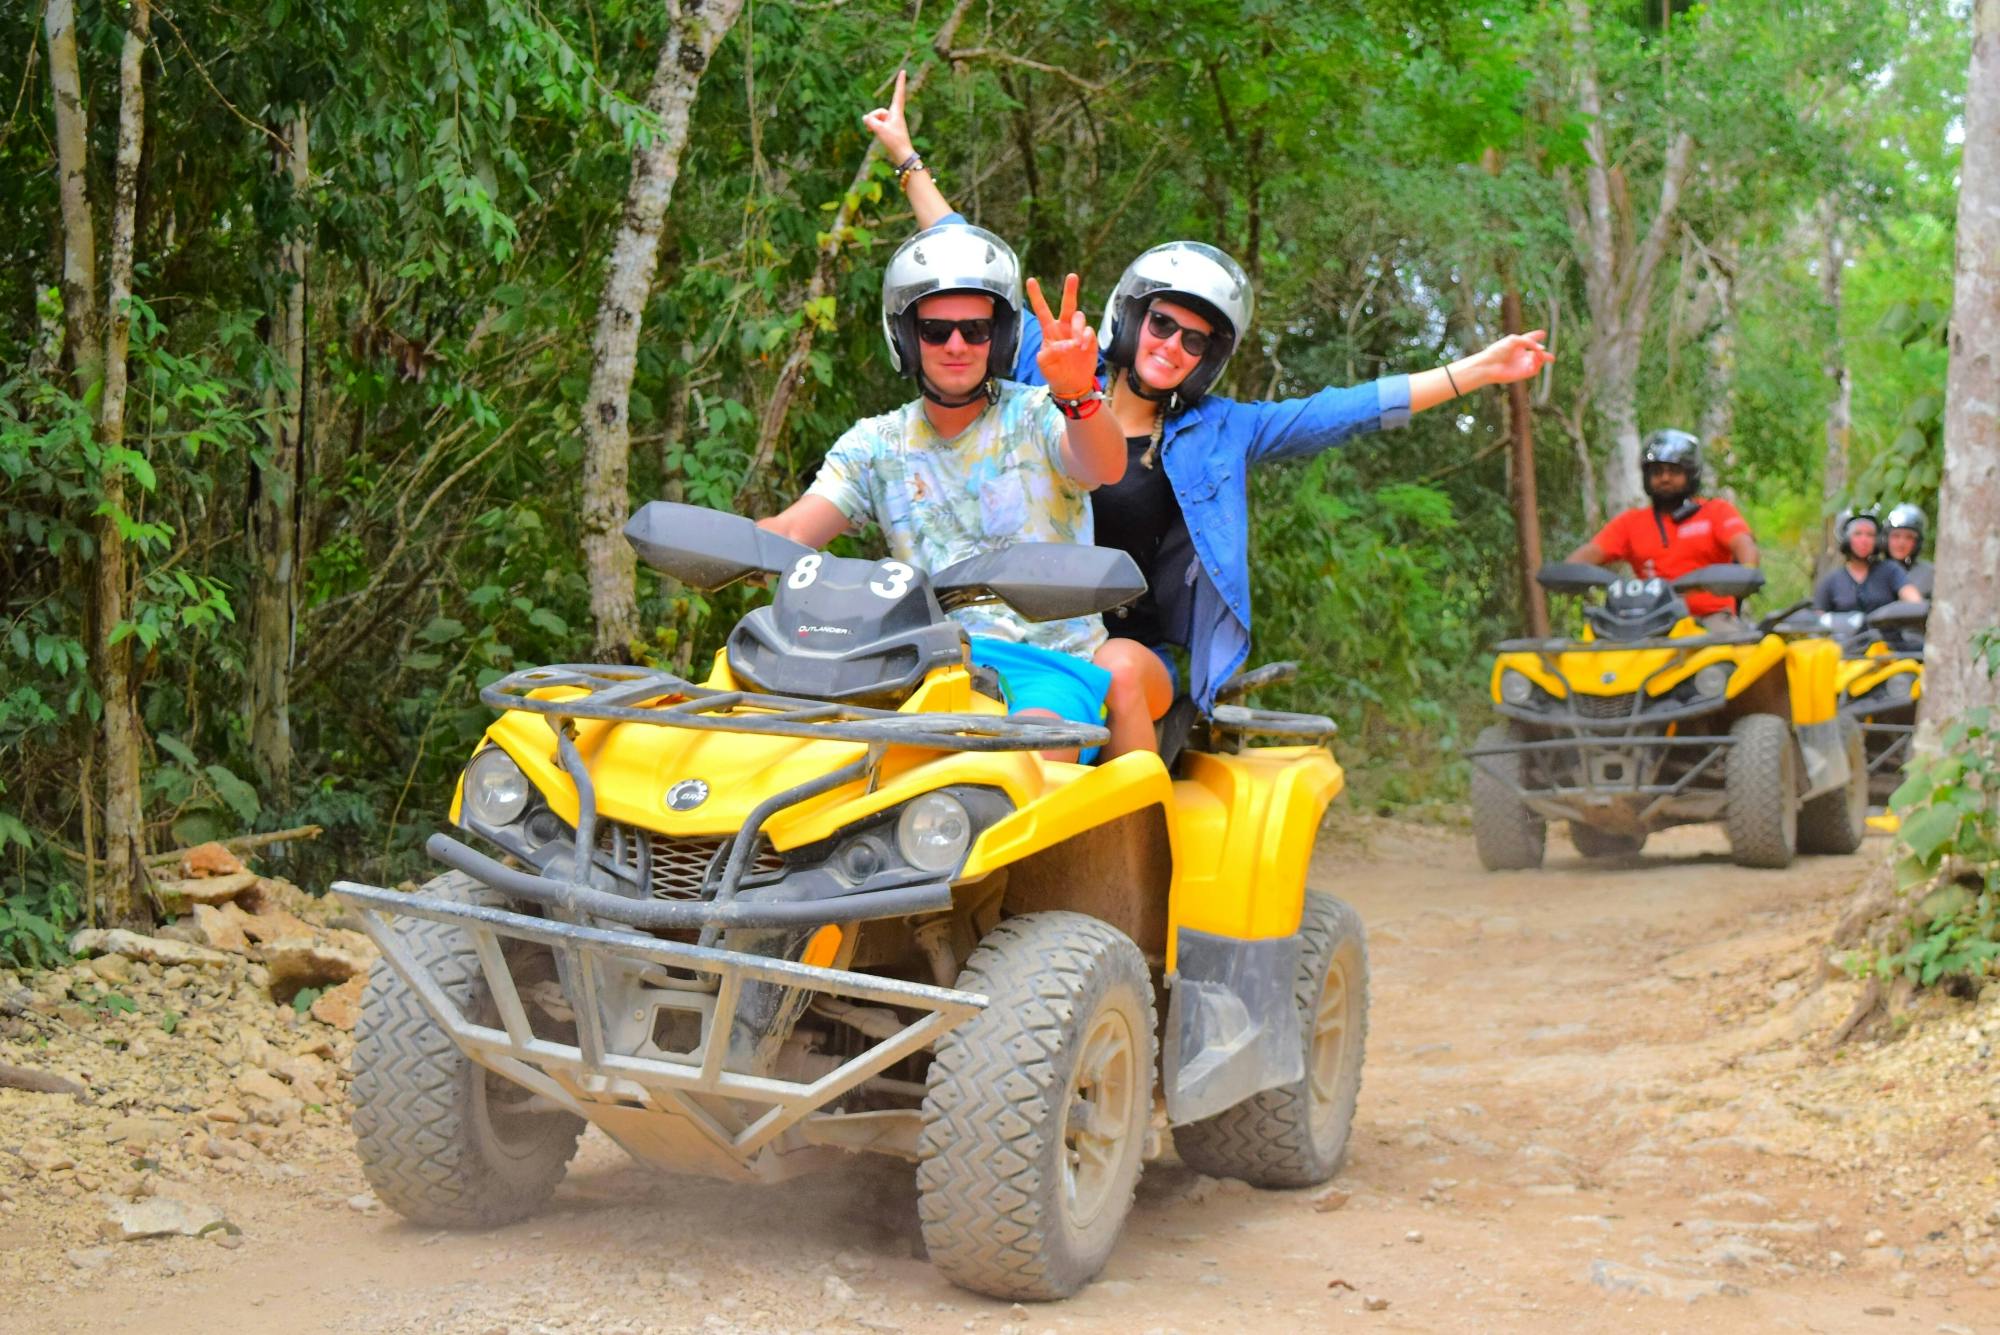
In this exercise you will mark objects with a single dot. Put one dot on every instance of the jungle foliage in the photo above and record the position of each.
(1375, 165)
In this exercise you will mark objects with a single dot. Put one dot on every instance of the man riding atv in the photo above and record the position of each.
(1679, 532)
(978, 462)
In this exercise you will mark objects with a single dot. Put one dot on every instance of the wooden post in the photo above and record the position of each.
(1527, 513)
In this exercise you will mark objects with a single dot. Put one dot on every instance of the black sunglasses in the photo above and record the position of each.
(937, 333)
(1163, 327)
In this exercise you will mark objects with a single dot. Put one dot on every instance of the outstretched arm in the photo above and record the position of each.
(892, 131)
(1590, 554)
(812, 520)
(1515, 357)
(1744, 548)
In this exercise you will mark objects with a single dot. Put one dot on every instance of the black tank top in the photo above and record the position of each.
(1139, 515)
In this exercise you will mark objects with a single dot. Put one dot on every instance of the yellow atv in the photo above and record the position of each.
(1880, 680)
(1650, 719)
(832, 900)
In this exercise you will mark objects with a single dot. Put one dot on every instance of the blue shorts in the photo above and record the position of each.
(1032, 677)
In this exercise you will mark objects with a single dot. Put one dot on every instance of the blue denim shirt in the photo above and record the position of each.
(1207, 451)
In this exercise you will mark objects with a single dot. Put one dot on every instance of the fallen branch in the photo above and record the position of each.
(244, 843)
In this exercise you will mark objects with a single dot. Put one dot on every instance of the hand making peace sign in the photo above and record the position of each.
(1069, 345)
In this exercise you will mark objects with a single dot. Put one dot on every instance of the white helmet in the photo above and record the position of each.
(951, 257)
(1192, 273)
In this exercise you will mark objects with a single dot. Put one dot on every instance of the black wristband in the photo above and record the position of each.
(1456, 392)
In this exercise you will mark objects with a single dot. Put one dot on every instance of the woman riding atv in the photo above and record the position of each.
(1863, 581)
(1181, 508)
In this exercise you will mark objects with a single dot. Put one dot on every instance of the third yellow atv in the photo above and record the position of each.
(1650, 719)
(832, 900)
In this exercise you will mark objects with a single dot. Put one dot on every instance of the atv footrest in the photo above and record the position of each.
(1243, 721)
(617, 986)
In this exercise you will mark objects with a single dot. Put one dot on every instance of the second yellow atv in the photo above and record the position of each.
(1651, 719)
(1879, 682)
(832, 900)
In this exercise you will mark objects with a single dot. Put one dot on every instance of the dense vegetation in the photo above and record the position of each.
(437, 251)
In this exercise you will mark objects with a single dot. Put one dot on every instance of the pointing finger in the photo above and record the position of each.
(902, 83)
(1069, 298)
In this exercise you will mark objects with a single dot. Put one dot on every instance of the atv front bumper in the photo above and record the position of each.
(669, 1100)
(1623, 786)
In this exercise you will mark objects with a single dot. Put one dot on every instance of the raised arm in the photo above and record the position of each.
(1094, 445)
(892, 131)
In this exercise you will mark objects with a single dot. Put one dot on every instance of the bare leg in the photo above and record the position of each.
(1068, 755)
(1140, 692)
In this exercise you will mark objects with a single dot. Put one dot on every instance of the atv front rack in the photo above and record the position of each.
(617, 1073)
(1708, 640)
(616, 694)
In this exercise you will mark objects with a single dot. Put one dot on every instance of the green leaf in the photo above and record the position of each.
(169, 1021)
(1927, 831)
(548, 621)
(174, 747)
(240, 796)
(441, 630)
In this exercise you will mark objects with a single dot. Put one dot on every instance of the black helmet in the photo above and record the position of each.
(1910, 517)
(1843, 529)
(1681, 449)
(1197, 275)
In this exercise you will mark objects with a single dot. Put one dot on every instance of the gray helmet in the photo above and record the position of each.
(1843, 528)
(1198, 275)
(1681, 449)
(1910, 517)
(951, 257)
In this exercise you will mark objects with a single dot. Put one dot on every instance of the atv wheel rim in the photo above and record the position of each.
(514, 1127)
(1099, 1116)
(1327, 1058)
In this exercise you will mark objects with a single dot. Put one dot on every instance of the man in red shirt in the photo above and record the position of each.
(1679, 531)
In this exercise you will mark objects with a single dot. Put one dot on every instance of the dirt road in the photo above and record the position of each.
(1596, 1099)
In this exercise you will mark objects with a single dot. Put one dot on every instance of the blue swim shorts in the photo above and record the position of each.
(1032, 677)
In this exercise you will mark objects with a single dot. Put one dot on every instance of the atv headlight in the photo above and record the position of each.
(1713, 679)
(934, 832)
(1515, 687)
(496, 792)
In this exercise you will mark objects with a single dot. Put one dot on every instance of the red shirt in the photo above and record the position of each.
(1653, 544)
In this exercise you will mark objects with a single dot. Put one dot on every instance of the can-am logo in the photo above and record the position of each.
(687, 794)
(824, 630)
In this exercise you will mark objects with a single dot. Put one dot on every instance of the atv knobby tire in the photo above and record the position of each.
(1837, 821)
(1509, 835)
(1760, 777)
(1296, 1135)
(428, 1120)
(1592, 842)
(1038, 1108)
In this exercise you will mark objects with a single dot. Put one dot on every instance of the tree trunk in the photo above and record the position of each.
(1718, 412)
(1618, 270)
(1968, 548)
(125, 899)
(1840, 408)
(273, 528)
(693, 31)
(791, 376)
(81, 332)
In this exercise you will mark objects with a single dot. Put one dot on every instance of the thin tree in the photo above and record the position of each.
(273, 526)
(98, 339)
(1619, 265)
(694, 29)
(1968, 546)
